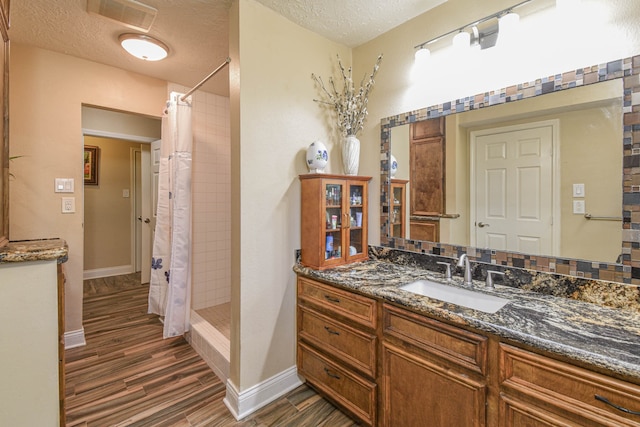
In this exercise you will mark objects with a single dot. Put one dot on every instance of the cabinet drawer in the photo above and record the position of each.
(567, 388)
(349, 390)
(456, 345)
(352, 306)
(354, 347)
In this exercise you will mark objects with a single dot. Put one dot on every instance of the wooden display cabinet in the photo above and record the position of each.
(397, 223)
(334, 220)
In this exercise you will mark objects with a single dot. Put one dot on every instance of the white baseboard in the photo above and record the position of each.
(244, 404)
(74, 339)
(108, 272)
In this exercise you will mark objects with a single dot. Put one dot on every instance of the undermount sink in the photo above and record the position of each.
(458, 296)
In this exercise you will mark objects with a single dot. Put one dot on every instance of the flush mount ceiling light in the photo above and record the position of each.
(144, 47)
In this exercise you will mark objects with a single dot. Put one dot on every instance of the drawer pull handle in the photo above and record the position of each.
(619, 408)
(331, 374)
(332, 299)
(331, 331)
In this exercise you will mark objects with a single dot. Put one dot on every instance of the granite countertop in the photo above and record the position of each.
(600, 336)
(35, 250)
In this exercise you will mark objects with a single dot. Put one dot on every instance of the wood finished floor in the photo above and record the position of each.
(127, 375)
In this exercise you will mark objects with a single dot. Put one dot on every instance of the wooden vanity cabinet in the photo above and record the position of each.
(337, 346)
(433, 374)
(389, 366)
(334, 220)
(536, 390)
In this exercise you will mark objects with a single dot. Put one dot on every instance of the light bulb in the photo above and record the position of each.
(508, 28)
(461, 41)
(422, 56)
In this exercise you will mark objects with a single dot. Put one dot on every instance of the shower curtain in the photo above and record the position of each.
(170, 285)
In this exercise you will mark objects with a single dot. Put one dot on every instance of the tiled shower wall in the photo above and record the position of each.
(211, 199)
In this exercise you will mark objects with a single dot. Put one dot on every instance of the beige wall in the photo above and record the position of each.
(47, 92)
(274, 119)
(107, 214)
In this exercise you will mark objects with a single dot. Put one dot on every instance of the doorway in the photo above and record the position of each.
(514, 182)
(118, 206)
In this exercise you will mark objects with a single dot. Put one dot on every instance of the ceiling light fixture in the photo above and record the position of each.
(143, 47)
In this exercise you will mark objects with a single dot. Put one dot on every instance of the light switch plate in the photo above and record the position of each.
(578, 190)
(578, 207)
(64, 185)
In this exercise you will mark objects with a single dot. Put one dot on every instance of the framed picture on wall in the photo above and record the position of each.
(91, 158)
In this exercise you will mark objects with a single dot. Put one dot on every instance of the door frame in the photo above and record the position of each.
(127, 137)
(555, 175)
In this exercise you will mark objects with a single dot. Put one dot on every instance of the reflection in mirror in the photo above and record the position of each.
(517, 177)
(577, 181)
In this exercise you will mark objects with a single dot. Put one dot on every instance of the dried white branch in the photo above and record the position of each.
(349, 104)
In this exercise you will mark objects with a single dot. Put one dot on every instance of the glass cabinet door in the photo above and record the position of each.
(333, 221)
(356, 217)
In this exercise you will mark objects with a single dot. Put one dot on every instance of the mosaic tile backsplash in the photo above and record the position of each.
(628, 272)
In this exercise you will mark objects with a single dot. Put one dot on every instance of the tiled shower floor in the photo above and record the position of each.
(209, 336)
(219, 317)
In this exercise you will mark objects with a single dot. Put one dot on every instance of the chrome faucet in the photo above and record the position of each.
(464, 262)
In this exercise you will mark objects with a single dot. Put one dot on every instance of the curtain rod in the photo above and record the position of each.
(213, 73)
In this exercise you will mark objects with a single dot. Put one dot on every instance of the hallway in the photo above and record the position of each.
(127, 375)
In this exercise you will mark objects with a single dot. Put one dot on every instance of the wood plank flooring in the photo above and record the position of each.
(127, 375)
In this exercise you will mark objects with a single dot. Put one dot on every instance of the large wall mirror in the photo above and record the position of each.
(538, 175)
(4, 123)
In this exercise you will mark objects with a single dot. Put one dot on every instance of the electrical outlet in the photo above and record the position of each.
(578, 207)
(68, 205)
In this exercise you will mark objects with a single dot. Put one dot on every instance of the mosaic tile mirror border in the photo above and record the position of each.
(627, 272)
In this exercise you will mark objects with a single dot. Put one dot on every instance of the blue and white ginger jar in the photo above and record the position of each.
(393, 166)
(317, 157)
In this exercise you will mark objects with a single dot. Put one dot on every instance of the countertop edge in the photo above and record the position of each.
(35, 250)
(465, 318)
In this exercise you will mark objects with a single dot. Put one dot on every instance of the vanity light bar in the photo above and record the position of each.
(473, 25)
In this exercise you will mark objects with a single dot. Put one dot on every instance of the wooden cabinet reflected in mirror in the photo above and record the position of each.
(4, 123)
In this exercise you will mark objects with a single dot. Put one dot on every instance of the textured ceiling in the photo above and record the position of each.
(350, 22)
(196, 31)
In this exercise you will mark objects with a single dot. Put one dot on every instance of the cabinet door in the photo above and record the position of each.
(356, 206)
(397, 216)
(418, 392)
(427, 176)
(425, 230)
(333, 209)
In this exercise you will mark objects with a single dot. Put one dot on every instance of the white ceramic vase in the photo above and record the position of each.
(393, 166)
(351, 155)
(317, 157)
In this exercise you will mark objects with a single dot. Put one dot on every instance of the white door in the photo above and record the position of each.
(145, 210)
(513, 189)
(155, 176)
